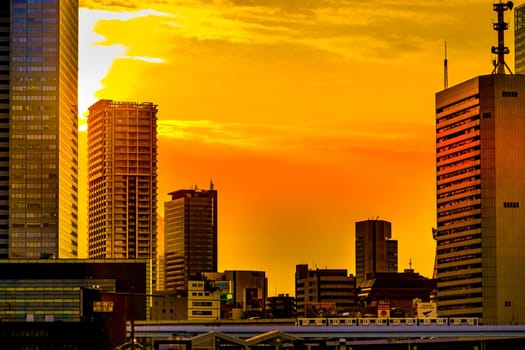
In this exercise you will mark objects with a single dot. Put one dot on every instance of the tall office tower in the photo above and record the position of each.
(122, 180)
(38, 129)
(519, 39)
(190, 236)
(375, 251)
(480, 154)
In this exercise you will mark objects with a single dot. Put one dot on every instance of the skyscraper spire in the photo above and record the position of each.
(501, 26)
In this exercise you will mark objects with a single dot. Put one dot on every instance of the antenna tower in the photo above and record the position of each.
(445, 66)
(501, 26)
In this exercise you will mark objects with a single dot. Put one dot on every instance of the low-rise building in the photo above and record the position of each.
(385, 292)
(324, 292)
(107, 293)
(281, 306)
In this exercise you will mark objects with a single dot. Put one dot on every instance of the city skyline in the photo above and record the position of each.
(295, 172)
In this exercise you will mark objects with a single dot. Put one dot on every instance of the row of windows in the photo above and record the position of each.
(202, 312)
(511, 204)
(33, 137)
(463, 132)
(509, 94)
(30, 107)
(33, 49)
(33, 98)
(26, 244)
(471, 142)
(35, 69)
(459, 122)
(34, 10)
(453, 165)
(37, 40)
(464, 171)
(38, 30)
(466, 100)
(457, 193)
(32, 20)
(458, 154)
(33, 196)
(32, 235)
(34, 88)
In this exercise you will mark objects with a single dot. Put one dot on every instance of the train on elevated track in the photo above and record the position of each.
(349, 321)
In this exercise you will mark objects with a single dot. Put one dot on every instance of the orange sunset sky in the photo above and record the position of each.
(308, 115)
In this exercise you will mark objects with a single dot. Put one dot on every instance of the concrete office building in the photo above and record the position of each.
(375, 251)
(38, 129)
(480, 159)
(324, 292)
(190, 236)
(519, 39)
(122, 180)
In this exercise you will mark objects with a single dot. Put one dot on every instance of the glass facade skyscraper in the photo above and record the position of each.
(38, 128)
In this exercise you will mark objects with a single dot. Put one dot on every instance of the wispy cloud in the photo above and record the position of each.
(325, 137)
(357, 30)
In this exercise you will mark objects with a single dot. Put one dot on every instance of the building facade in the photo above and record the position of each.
(519, 39)
(100, 293)
(190, 236)
(48, 290)
(122, 180)
(324, 292)
(203, 304)
(38, 129)
(281, 306)
(480, 148)
(375, 251)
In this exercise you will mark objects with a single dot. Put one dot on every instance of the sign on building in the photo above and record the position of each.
(426, 310)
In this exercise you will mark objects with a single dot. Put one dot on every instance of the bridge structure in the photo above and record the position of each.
(277, 336)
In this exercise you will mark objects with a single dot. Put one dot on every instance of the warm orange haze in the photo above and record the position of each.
(307, 115)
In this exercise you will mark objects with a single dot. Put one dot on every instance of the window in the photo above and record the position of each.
(509, 93)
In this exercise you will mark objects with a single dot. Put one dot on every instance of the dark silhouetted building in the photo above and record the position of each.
(38, 129)
(393, 291)
(190, 236)
(324, 292)
(104, 293)
(375, 251)
(281, 306)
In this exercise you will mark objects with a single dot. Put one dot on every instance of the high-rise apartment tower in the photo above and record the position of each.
(190, 236)
(38, 129)
(480, 159)
(122, 177)
(375, 251)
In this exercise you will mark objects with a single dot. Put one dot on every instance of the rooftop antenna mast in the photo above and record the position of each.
(445, 63)
(501, 26)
